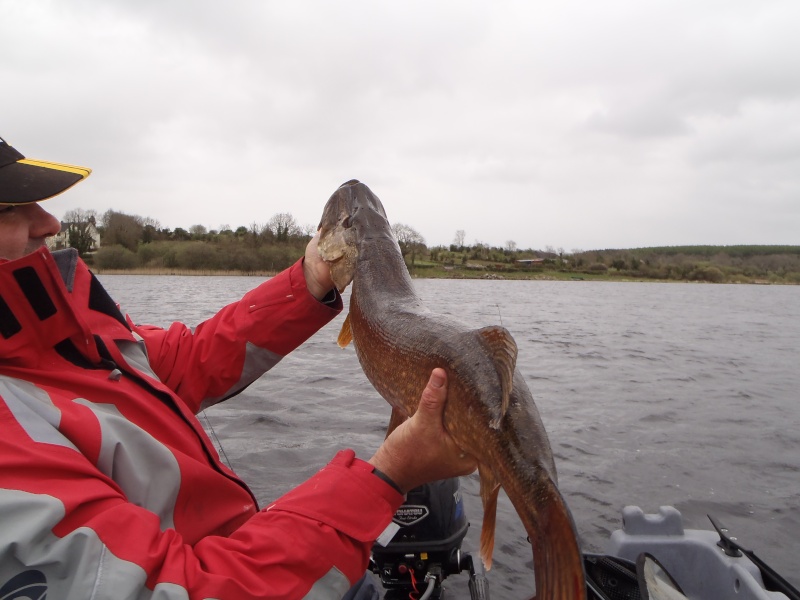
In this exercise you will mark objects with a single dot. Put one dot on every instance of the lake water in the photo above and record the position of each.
(652, 394)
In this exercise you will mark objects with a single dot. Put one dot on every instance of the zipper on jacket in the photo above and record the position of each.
(166, 398)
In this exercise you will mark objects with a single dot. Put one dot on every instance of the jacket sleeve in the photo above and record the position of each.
(69, 528)
(226, 353)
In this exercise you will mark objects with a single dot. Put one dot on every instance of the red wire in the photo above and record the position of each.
(415, 594)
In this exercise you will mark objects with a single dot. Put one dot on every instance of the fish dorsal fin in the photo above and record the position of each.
(504, 351)
(346, 334)
(490, 490)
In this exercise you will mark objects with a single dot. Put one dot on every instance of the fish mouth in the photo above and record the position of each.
(352, 215)
(337, 237)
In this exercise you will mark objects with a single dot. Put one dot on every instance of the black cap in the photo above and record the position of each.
(24, 180)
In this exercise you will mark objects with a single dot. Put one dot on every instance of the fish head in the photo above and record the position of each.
(352, 214)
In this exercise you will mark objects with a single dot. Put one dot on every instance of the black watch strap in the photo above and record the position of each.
(381, 475)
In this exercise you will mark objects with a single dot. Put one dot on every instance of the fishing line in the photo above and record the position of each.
(498, 314)
(217, 443)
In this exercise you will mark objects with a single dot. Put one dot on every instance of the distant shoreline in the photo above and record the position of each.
(183, 272)
(435, 274)
(226, 256)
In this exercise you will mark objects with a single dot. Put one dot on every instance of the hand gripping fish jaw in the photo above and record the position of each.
(353, 214)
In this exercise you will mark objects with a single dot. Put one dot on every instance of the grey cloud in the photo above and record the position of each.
(590, 122)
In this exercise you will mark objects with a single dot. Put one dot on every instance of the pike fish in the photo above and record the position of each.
(490, 411)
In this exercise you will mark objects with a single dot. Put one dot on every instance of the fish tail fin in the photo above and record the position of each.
(490, 490)
(557, 557)
(346, 334)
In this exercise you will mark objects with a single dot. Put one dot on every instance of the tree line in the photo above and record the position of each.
(714, 264)
(134, 242)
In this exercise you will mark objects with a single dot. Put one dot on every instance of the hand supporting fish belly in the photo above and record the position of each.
(490, 412)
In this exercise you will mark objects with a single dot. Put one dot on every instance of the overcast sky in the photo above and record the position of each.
(564, 123)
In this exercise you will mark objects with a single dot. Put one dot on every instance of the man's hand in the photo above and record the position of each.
(316, 271)
(420, 450)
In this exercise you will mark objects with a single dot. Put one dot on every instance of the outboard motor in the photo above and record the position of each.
(427, 546)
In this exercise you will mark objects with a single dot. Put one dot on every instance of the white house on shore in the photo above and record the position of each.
(85, 230)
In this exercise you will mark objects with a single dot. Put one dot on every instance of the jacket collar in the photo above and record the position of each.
(50, 301)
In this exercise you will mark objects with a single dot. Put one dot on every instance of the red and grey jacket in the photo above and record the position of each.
(109, 487)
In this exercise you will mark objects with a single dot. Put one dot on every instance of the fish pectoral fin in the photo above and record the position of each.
(490, 490)
(504, 351)
(395, 421)
(346, 334)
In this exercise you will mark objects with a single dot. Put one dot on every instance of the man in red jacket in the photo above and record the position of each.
(109, 487)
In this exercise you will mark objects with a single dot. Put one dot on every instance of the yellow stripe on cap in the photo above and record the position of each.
(82, 171)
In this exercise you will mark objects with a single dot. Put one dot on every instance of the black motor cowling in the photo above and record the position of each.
(432, 524)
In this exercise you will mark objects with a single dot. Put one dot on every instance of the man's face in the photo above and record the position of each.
(24, 228)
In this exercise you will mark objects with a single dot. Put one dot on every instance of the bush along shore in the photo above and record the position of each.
(120, 243)
(243, 256)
